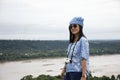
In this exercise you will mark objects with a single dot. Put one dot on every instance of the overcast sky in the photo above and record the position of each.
(49, 19)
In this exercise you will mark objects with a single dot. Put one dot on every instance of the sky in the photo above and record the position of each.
(49, 19)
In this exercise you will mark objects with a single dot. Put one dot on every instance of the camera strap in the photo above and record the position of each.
(72, 51)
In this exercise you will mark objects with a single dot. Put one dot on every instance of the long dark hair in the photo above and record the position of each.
(72, 36)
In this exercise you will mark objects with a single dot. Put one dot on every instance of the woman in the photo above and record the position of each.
(77, 62)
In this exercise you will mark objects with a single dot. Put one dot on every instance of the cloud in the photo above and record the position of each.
(51, 17)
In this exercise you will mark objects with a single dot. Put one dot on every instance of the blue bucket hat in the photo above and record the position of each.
(77, 20)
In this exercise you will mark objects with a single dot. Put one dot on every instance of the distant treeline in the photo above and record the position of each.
(28, 49)
(48, 77)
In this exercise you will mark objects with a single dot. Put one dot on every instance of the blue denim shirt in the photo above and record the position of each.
(81, 51)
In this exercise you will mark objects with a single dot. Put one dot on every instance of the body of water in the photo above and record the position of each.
(15, 70)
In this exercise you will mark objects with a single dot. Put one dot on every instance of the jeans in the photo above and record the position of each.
(73, 76)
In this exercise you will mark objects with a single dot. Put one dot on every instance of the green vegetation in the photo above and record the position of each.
(47, 77)
(41, 77)
(28, 49)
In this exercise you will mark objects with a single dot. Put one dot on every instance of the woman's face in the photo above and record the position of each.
(74, 28)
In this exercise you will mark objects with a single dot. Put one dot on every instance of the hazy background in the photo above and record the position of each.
(49, 19)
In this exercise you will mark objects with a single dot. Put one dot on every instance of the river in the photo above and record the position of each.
(15, 70)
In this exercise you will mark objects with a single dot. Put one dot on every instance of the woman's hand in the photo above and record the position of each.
(63, 73)
(83, 78)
